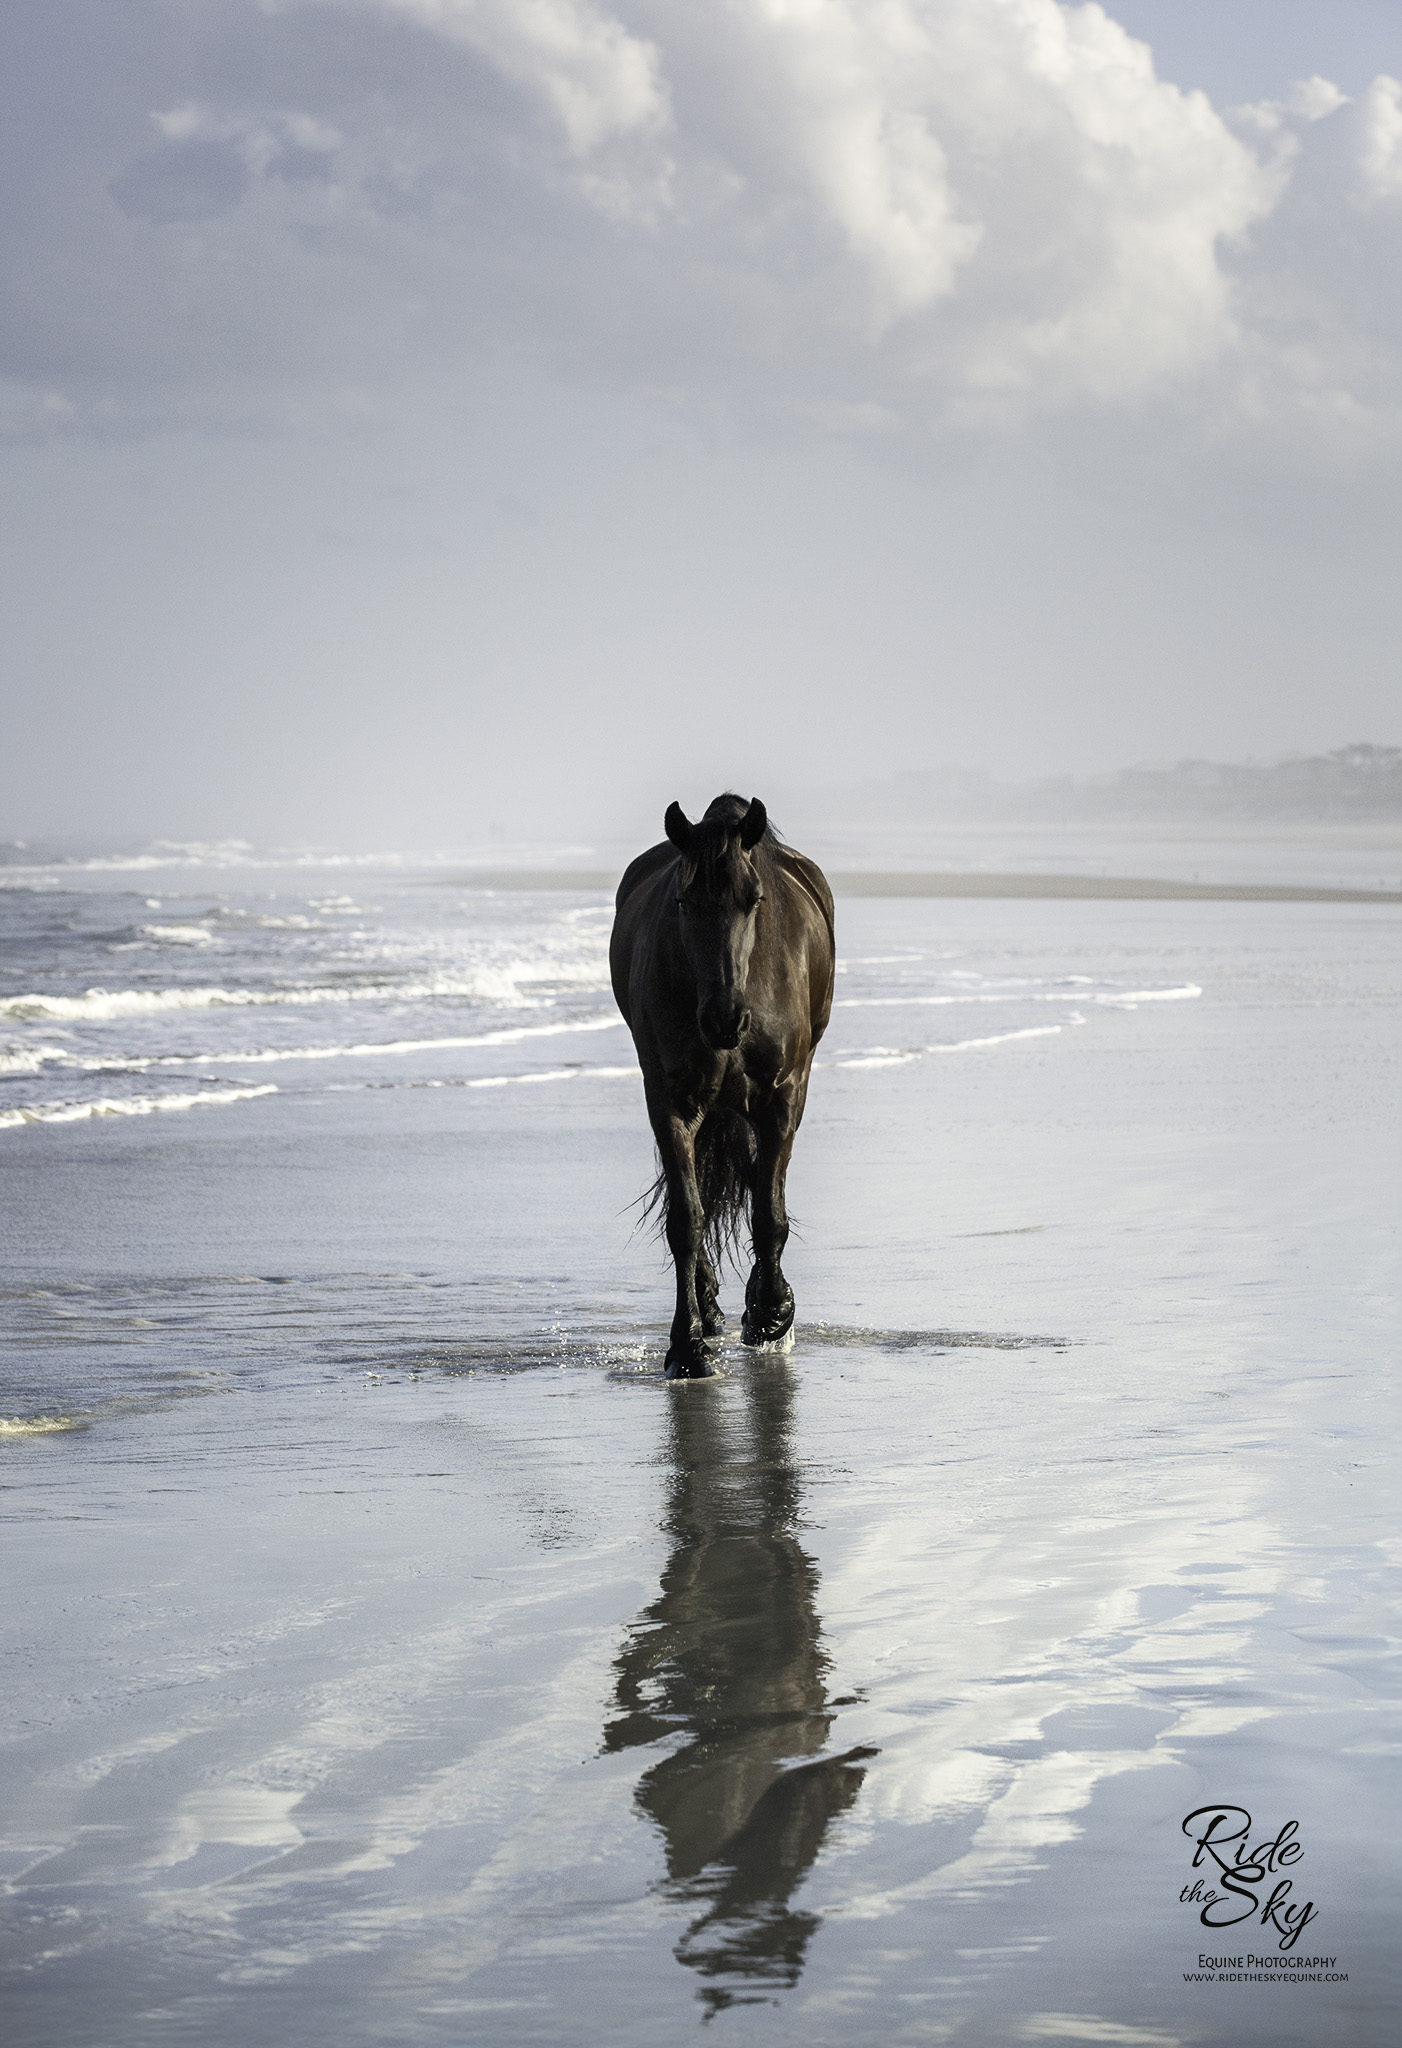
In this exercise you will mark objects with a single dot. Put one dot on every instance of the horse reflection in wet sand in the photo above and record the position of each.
(722, 964)
(727, 1664)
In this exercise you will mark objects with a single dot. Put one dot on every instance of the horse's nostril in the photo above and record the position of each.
(744, 1023)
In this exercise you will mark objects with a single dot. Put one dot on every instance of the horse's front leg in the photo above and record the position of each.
(686, 1351)
(769, 1302)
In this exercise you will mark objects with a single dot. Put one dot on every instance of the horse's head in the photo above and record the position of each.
(719, 892)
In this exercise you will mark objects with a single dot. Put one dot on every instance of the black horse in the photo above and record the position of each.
(722, 961)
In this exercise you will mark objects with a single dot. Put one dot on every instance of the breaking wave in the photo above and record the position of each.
(178, 934)
(100, 1005)
(20, 1059)
(31, 1059)
(387, 1048)
(123, 1105)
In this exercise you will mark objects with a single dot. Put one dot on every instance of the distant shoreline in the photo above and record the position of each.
(1078, 888)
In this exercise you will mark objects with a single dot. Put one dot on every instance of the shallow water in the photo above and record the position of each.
(396, 1656)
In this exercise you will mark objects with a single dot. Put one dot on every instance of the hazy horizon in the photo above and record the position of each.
(1338, 794)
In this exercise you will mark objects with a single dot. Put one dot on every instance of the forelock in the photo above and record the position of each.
(717, 860)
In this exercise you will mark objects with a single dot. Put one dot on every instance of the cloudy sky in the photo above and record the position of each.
(421, 413)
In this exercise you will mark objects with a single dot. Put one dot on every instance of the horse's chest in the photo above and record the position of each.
(744, 1079)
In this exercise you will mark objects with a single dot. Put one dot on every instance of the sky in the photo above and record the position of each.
(425, 418)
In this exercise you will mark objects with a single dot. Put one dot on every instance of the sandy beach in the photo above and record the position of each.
(394, 1656)
(459, 454)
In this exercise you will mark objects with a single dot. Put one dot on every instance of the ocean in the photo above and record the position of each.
(394, 1656)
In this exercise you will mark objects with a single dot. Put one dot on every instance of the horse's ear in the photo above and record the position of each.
(678, 828)
(753, 823)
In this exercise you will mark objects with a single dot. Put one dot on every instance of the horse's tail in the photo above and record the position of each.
(725, 1161)
(725, 1168)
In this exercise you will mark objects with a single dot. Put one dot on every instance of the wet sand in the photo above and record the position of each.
(395, 1657)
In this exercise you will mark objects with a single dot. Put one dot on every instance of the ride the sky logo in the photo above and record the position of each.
(1240, 1882)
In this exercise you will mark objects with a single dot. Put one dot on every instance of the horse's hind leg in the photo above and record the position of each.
(769, 1302)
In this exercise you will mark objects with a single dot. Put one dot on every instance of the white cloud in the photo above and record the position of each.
(1320, 278)
(923, 212)
(1016, 156)
(261, 140)
(600, 84)
(599, 81)
(1380, 139)
(992, 207)
(1315, 97)
(843, 120)
(1014, 180)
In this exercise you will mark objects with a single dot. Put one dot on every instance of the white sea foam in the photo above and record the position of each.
(178, 934)
(482, 984)
(516, 1080)
(101, 1005)
(30, 1059)
(386, 1049)
(1001, 1037)
(20, 1059)
(878, 1056)
(165, 853)
(1108, 998)
(235, 919)
(37, 1425)
(497, 1080)
(548, 1074)
(892, 1056)
(123, 1105)
(534, 856)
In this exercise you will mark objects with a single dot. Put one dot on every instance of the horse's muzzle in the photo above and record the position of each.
(722, 1023)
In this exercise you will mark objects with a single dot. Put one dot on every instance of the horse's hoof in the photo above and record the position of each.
(694, 1367)
(772, 1334)
(767, 1324)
